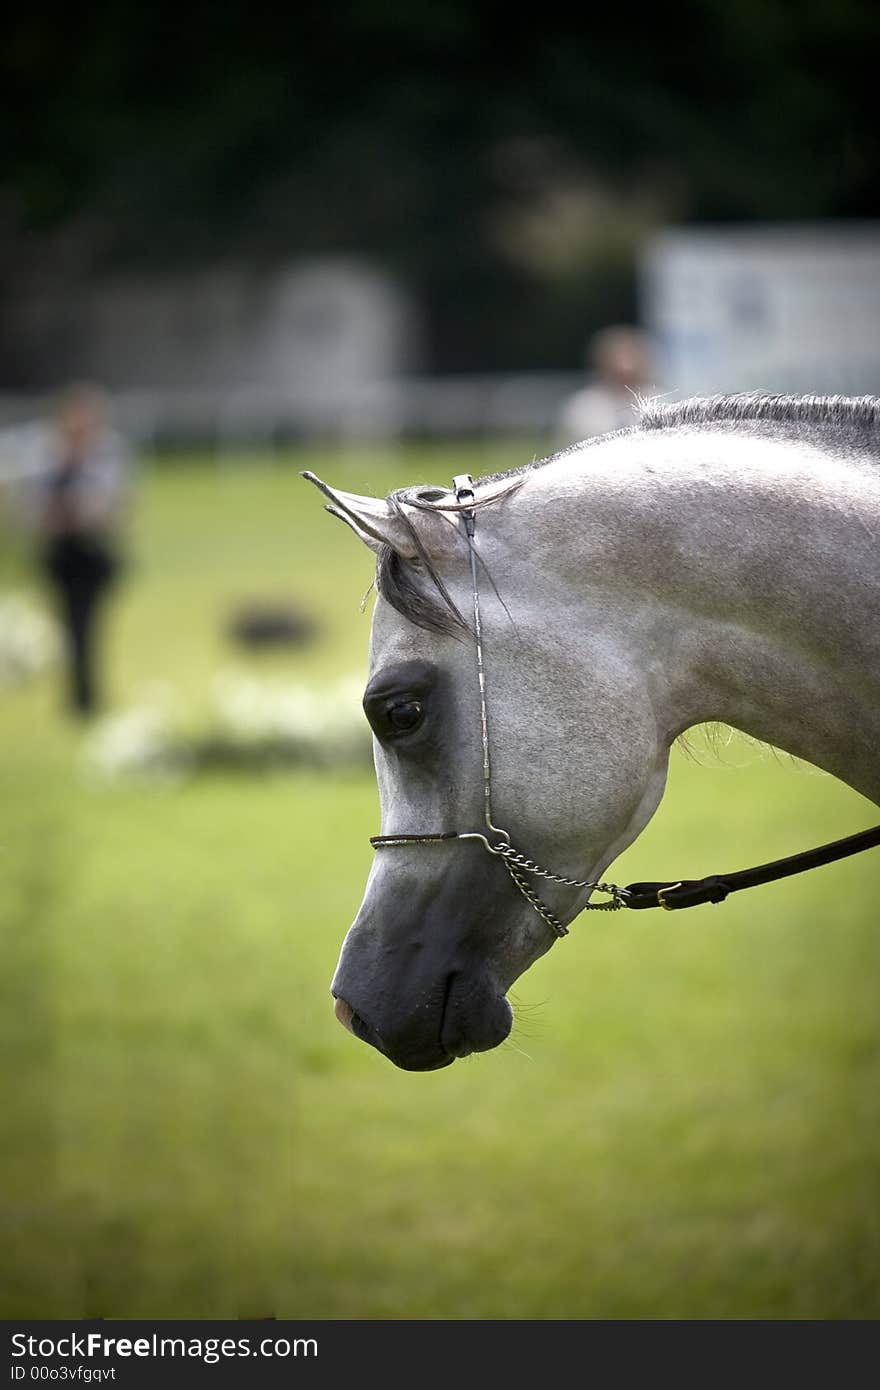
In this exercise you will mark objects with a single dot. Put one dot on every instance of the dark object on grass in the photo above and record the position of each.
(271, 625)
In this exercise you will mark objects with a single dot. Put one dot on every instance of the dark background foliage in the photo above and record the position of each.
(430, 136)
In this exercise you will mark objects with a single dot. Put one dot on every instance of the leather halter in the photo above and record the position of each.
(673, 894)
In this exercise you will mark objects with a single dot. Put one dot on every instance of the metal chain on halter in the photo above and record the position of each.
(516, 864)
(544, 911)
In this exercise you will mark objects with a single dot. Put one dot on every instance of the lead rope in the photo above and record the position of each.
(516, 864)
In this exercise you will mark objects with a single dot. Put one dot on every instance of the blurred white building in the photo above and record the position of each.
(777, 307)
(231, 355)
(225, 350)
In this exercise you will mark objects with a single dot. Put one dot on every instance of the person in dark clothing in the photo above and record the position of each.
(78, 500)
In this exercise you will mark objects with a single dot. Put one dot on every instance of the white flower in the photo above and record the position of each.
(254, 723)
(140, 741)
(300, 722)
(29, 641)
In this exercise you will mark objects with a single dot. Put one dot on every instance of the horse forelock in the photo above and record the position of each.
(403, 587)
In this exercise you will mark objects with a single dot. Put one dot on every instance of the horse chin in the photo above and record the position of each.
(475, 1021)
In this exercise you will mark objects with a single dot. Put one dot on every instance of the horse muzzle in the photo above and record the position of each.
(462, 1015)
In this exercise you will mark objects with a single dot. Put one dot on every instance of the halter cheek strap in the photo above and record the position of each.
(497, 841)
(672, 895)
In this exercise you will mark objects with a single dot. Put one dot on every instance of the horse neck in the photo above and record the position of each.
(742, 574)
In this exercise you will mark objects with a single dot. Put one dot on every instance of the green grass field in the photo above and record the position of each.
(685, 1124)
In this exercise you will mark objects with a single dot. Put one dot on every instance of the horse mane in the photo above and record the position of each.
(834, 412)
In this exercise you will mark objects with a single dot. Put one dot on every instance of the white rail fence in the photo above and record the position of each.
(482, 405)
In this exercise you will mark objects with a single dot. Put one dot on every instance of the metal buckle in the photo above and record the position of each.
(463, 485)
(661, 898)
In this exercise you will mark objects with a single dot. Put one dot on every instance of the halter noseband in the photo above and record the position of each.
(672, 895)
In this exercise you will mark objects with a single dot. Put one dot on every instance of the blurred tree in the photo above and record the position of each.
(444, 137)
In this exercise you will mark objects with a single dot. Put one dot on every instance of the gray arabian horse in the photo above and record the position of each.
(717, 561)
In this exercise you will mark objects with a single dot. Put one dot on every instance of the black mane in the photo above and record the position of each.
(401, 585)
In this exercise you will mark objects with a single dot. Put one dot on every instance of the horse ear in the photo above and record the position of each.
(371, 518)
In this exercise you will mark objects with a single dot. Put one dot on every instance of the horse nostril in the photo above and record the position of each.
(345, 1013)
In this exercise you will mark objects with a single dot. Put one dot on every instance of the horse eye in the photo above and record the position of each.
(404, 715)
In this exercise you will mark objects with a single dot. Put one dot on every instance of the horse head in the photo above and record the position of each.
(577, 762)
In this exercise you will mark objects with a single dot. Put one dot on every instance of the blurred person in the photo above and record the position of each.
(621, 360)
(78, 480)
